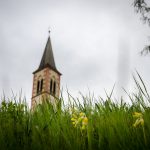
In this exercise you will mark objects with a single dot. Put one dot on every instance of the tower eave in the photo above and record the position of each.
(47, 66)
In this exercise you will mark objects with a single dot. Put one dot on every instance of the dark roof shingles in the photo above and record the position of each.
(48, 58)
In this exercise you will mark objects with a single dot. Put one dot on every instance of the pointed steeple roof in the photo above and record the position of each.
(48, 58)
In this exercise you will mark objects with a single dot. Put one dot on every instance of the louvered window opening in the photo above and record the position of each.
(52, 87)
(39, 86)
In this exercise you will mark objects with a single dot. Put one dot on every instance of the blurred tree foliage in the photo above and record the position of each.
(143, 7)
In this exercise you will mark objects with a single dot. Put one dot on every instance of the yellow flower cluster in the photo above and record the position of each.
(80, 120)
(139, 119)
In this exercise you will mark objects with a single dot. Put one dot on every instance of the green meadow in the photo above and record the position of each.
(82, 124)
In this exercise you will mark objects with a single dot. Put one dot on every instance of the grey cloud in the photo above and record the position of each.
(85, 36)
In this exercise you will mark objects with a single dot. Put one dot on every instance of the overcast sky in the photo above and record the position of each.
(96, 43)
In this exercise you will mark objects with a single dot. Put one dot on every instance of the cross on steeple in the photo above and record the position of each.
(49, 32)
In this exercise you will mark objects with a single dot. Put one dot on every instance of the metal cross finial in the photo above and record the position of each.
(49, 31)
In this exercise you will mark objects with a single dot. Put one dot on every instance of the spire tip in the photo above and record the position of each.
(49, 31)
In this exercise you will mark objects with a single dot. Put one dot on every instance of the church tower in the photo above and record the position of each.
(46, 79)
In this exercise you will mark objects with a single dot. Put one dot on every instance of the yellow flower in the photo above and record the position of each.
(82, 114)
(75, 123)
(85, 121)
(73, 119)
(83, 128)
(139, 120)
(74, 116)
(80, 120)
(137, 115)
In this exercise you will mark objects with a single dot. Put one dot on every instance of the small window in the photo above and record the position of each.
(41, 86)
(54, 89)
(38, 85)
(51, 86)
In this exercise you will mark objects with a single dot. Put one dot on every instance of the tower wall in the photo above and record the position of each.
(46, 74)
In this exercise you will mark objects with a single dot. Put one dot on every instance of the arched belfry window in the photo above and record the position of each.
(53, 86)
(39, 86)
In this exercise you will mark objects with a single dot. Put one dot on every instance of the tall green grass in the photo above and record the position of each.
(110, 124)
